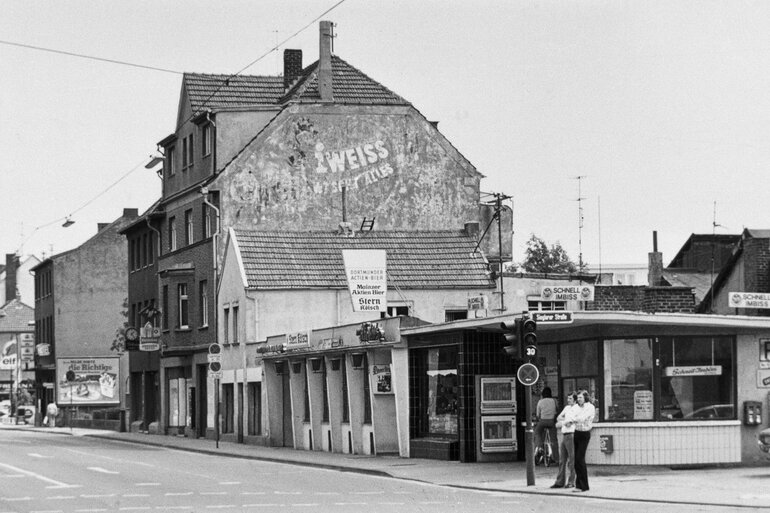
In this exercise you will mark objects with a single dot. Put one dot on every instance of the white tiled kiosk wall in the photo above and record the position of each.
(667, 443)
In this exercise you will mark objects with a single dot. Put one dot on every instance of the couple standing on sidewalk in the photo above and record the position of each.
(575, 421)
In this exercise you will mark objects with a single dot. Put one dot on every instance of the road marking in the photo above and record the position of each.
(56, 484)
(97, 496)
(261, 505)
(36, 455)
(221, 506)
(59, 497)
(40, 511)
(305, 505)
(390, 503)
(103, 470)
(252, 493)
(135, 495)
(367, 493)
(287, 493)
(134, 508)
(326, 493)
(350, 504)
(177, 494)
(226, 483)
(213, 493)
(173, 507)
(16, 499)
(147, 484)
(90, 510)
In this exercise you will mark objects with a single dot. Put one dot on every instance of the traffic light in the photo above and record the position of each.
(512, 337)
(529, 337)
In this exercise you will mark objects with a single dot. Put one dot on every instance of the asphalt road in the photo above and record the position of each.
(49, 473)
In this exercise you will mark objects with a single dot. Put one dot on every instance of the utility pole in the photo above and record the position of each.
(580, 199)
(497, 216)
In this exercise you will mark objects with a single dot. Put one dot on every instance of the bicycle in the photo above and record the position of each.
(544, 453)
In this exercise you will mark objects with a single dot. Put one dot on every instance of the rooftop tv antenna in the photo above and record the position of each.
(580, 199)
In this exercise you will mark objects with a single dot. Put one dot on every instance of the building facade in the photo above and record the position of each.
(81, 307)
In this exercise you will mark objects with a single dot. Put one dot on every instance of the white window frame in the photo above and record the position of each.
(188, 226)
(183, 306)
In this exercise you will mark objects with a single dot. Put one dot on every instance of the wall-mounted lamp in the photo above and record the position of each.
(68, 222)
(336, 364)
(154, 161)
(296, 367)
(316, 364)
(280, 367)
(358, 360)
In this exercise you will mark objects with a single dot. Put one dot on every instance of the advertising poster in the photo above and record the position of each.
(86, 380)
(382, 379)
(367, 279)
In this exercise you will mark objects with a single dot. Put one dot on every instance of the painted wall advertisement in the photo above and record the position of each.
(86, 381)
(367, 279)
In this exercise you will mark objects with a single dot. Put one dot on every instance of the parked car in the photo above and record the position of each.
(713, 411)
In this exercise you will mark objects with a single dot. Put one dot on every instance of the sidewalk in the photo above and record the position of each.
(735, 486)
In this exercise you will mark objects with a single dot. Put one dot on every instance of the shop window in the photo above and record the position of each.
(579, 364)
(628, 393)
(254, 398)
(442, 387)
(697, 380)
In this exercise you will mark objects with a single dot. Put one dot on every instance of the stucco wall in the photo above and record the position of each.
(395, 166)
(287, 311)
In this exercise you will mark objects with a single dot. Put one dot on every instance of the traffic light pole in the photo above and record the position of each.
(529, 444)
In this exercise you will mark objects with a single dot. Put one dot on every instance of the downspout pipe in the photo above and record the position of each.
(215, 240)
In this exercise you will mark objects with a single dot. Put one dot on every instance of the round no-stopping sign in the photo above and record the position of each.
(527, 374)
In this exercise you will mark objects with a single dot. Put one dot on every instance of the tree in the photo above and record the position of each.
(542, 259)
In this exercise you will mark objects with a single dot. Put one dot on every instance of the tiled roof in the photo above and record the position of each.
(15, 317)
(415, 260)
(349, 86)
(700, 282)
(215, 92)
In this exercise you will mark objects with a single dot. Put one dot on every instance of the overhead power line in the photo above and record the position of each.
(90, 57)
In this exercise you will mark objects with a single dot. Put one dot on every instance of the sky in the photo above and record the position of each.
(662, 107)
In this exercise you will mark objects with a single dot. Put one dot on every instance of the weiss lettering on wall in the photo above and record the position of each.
(367, 279)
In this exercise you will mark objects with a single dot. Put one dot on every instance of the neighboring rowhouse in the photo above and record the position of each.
(320, 146)
(313, 391)
(143, 237)
(80, 308)
(17, 356)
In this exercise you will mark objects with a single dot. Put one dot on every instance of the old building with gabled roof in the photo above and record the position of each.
(322, 146)
(279, 282)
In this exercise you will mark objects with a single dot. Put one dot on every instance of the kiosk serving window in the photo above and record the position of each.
(696, 378)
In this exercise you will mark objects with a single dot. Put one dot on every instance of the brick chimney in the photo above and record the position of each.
(325, 62)
(11, 265)
(292, 66)
(655, 264)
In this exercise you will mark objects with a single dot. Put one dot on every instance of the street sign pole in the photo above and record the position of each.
(529, 444)
(216, 410)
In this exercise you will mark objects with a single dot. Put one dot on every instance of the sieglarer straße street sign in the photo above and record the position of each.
(560, 317)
